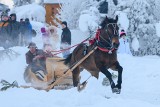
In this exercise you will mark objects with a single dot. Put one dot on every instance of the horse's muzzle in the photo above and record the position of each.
(115, 45)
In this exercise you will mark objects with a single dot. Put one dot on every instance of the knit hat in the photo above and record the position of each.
(26, 20)
(32, 44)
(65, 23)
(122, 33)
(43, 30)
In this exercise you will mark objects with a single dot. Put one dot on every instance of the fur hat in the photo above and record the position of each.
(52, 28)
(65, 23)
(32, 44)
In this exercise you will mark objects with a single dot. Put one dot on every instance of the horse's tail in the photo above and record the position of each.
(68, 59)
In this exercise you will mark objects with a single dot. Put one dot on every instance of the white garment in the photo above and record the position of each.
(124, 46)
(54, 38)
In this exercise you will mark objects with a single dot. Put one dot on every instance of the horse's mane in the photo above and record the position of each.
(105, 20)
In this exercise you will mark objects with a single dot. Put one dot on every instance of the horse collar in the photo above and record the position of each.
(109, 51)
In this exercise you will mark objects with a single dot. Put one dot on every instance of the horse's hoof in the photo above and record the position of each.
(116, 90)
(81, 87)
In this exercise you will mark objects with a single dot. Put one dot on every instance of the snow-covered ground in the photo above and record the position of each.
(140, 84)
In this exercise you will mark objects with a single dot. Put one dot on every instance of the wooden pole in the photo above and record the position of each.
(70, 70)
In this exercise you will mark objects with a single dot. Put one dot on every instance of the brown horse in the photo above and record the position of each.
(103, 58)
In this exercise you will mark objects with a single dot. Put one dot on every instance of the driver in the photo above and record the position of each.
(37, 59)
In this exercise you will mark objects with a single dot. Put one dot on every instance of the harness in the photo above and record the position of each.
(101, 46)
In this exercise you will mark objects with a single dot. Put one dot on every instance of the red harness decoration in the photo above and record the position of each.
(106, 50)
(97, 37)
(92, 41)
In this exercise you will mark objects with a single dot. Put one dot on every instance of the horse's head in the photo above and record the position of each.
(110, 32)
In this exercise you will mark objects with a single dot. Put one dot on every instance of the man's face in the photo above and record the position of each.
(4, 18)
(32, 49)
(63, 26)
(21, 20)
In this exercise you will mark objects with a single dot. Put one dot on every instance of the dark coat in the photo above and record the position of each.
(66, 36)
(28, 28)
(30, 56)
(22, 27)
(14, 27)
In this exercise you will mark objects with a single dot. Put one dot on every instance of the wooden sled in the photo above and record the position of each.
(58, 74)
(55, 69)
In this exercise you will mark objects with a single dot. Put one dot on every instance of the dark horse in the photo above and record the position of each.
(103, 58)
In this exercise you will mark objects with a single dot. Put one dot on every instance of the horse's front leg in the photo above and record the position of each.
(104, 70)
(119, 82)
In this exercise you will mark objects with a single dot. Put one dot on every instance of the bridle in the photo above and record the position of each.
(110, 35)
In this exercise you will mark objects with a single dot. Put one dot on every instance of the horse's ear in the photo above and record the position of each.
(116, 18)
(106, 18)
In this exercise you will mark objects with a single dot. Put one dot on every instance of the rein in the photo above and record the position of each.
(62, 50)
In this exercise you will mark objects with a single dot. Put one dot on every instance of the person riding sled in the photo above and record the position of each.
(37, 59)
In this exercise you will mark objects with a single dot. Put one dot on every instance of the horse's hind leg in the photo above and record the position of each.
(75, 74)
(108, 75)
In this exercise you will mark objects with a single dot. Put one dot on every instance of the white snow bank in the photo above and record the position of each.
(89, 19)
(124, 21)
(135, 44)
(8, 3)
(32, 11)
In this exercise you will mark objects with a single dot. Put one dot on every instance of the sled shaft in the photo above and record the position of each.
(70, 70)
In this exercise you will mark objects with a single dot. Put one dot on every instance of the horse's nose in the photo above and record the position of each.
(115, 45)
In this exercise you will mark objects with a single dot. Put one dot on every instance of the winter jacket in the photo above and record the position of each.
(14, 27)
(5, 34)
(28, 27)
(30, 56)
(4, 28)
(22, 28)
(66, 36)
(124, 46)
(27, 32)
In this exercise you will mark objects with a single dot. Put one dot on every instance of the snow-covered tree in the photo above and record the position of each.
(89, 21)
(154, 8)
(111, 8)
(22, 2)
(39, 2)
(71, 10)
(141, 31)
